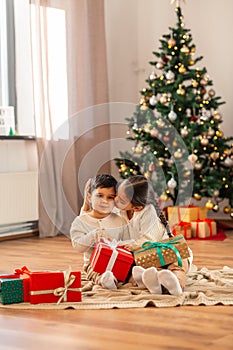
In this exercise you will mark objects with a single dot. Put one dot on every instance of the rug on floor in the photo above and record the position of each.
(203, 287)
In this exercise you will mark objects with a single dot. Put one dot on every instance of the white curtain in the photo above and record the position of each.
(70, 85)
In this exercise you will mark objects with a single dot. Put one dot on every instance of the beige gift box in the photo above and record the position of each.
(186, 214)
(203, 228)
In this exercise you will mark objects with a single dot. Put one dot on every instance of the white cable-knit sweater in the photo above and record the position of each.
(145, 225)
(83, 230)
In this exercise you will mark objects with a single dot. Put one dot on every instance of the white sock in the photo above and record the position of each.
(169, 280)
(137, 272)
(108, 281)
(150, 279)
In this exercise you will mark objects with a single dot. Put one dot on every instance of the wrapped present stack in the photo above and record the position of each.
(40, 287)
(191, 221)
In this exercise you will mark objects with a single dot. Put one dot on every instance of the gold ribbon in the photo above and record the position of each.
(60, 291)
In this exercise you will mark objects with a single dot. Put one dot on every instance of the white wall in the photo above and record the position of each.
(134, 28)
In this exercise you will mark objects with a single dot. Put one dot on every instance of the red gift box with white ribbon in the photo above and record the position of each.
(109, 257)
(55, 287)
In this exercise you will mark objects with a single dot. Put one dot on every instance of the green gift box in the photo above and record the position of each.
(11, 290)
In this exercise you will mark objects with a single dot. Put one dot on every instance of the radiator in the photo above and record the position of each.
(18, 197)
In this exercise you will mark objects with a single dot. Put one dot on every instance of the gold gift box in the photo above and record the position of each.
(147, 257)
(203, 228)
(187, 214)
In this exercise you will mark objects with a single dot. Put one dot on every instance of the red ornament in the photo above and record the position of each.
(165, 59)
(194, 118)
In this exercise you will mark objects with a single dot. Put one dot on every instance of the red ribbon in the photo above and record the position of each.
(183, 224)
(23, 269)
(208, 221)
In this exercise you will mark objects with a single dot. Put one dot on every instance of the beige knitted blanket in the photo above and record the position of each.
(203, 287)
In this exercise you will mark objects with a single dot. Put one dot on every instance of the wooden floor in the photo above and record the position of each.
(190, 327)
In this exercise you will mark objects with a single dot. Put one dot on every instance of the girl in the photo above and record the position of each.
(98, 223)
(136, 199)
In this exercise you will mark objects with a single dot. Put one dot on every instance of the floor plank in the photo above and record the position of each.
(190, 327)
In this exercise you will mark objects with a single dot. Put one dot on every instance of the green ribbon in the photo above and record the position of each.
(163, 245)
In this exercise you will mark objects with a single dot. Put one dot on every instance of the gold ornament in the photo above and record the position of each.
(216, 193)
(197, 196)
(193, 50)
(197, 166)
(154, 132)
(184, 131)
(211, 132)
(163, 99)
(164, 197)
(204, 141)
(228, 162)
(171, 42)
(144, 107)
(182, 69)
(148, 174)
(217, 116)
(159, 65)
(191, 62)
(227, 209)
(192, 158)
(194, 83)
(180, 91)
(214, 155)
(209, 204)
(185, 50)
(178, 154)
(123, 167)
(211, 93)
(186, 174)
(147, 127)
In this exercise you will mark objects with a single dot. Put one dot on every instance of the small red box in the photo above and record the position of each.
(51, 287)
(117, 260)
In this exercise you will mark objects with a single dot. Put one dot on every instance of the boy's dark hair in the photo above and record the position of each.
(140, 192)
(103, 181)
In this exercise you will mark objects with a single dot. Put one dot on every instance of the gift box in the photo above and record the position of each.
(55, 287)
(109, 257)
(182, 228)
(204, 228)
(22, 273)
(186, 214)
(162, 253)
(11, 290)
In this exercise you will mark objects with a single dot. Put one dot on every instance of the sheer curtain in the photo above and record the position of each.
(70, 98)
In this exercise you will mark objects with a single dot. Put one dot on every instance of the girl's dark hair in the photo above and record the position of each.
(103, 181)
(140, 192)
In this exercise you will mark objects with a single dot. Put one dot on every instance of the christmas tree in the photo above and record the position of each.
(176, 129)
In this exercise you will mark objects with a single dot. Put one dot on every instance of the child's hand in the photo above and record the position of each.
(132, 247)
(101, 235)
(87, 204)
